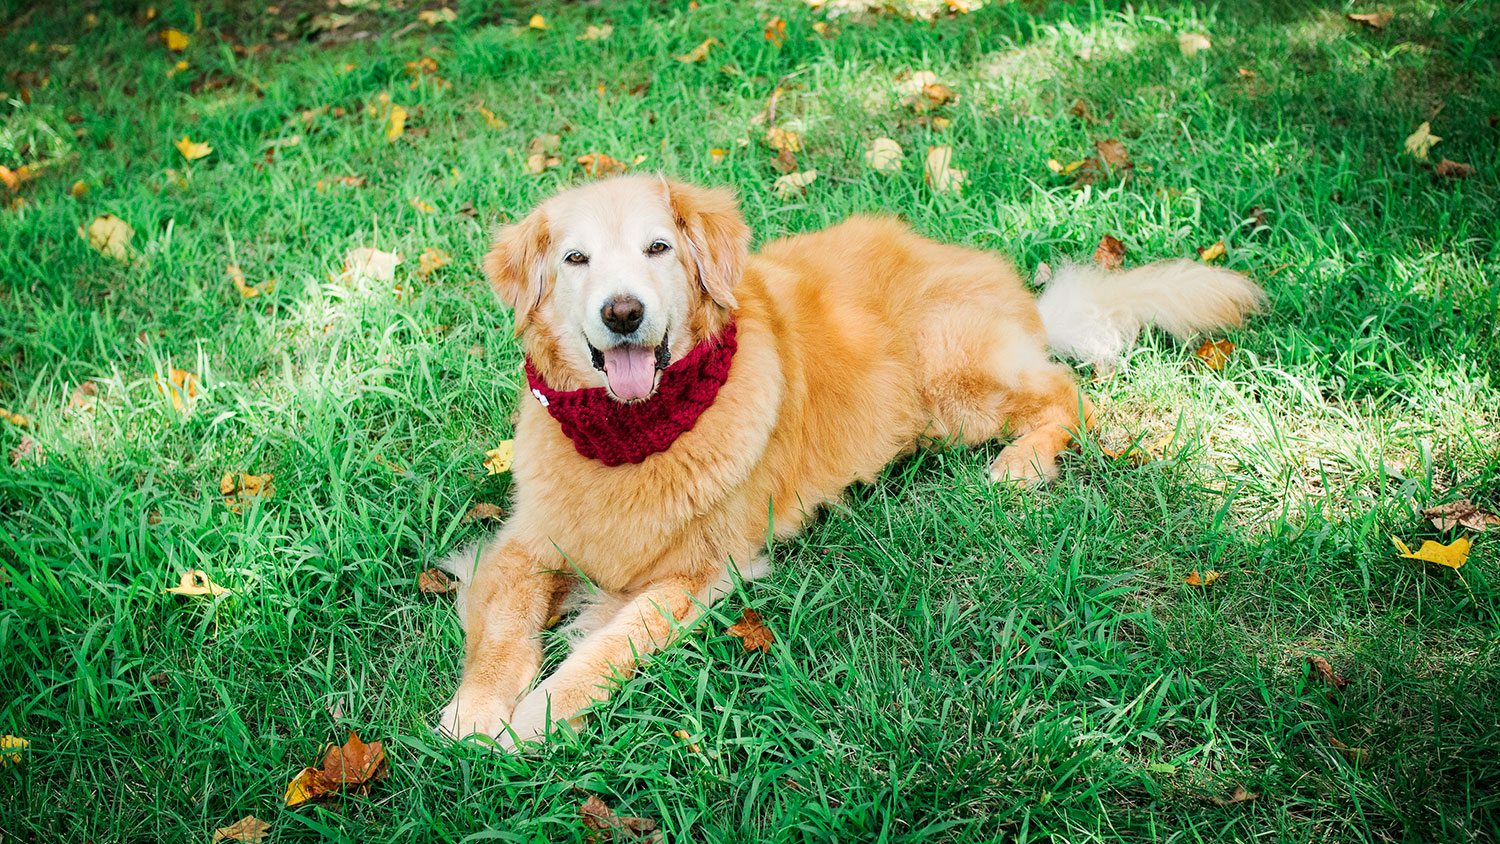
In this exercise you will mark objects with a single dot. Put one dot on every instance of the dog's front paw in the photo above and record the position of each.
(1023, 466)
(538, 713)
(474, 712)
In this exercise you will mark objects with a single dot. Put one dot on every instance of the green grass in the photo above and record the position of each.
(953, 661)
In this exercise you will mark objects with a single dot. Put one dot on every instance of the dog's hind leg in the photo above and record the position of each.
(513, 591)
(984, 378)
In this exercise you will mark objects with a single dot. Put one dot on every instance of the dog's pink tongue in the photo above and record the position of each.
(631, 371)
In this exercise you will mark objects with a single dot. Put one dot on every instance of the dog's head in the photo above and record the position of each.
(613, 281)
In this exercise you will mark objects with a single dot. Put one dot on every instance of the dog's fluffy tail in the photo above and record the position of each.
(1095, 316)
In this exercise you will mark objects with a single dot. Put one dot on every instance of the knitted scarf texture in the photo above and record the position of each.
(614, 433)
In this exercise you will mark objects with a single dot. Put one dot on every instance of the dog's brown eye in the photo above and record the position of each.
(657, 247)
(575, 257)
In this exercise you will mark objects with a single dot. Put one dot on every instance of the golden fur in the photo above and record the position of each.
(857, 344)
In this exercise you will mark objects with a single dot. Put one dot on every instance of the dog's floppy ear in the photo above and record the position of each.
(516, 265)
(717, 238)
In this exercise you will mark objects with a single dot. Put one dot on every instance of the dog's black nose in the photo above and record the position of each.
(623, 314)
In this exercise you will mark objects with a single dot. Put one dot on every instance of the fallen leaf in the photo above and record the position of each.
(12, 749)
(197, 584)
(1461, 513)
(1207, 578)
(249, 829)
(173, 39)
(484, 510)
(239, 489)
(716, 155)
(541, 153)
(756, 635)
(422, 205)
(597, 165)
(692, 747)
(1110, 253)
(1209, 254)
(939, 174)
(1453, 169)
(1452, 555)
(883, 154)
(1081, 109)
(793, 184)
(1256, 218)
(597, 816)
(303, 787)
(778, 138)
(1113, 153)
(911, 84)
(110, 235)
(1246, 73)
(1193, 43)
(1356, 755)
(490, 119)
(1215, 353)
(499, 458)
(181, 387)
(1239, 795)
(596, 33)
(537, 22)
(1419, 142)
(84, 398)
(247, 291)
(433, 17)
(372, 264)
(12, 179)
(1374, 20)
(467, 210)
(435, 582)
(395, 123)
(1321, 670)
(698, 53)
(159, 679)
(1062, 169)
(775, 31)
(192, 150)
(430, 261)
(16, 419)
(354, 767)
(78, 189)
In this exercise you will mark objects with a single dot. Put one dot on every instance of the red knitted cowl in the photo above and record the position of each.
(615, 433)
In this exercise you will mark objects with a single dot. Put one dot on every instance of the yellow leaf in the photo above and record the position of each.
(239, 489)
(883, 154)
(597, 164)
(175, 41)
(778, 138)
(716, 155)
(197, 584)
(1420, 141)
(938, 174)
(395, 123)
(1207, 578)
(537, 22)
(1215, 353)
(698, 53)
(687, 739)
(248, 830)
(11, 748)
(433, 18)
(303, 788)
(110, 235)
(1062, 169)
(490, 119)
(499, 458)
(430, 261)
(794, 184)
(1212, 253)
(775, 31)
(596, 33)
(181, 387)
(1193, 43)
(422, 205)
(192, 150)
(1453, 555)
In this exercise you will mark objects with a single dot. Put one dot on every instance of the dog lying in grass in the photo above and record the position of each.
(686, 400)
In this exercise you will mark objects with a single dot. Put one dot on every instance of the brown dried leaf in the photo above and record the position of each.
(1374, 20)
(240, 489)
(1209, 254)
(435, 582)
(1110, 253)
(756, 635)
(1321, 670)
(785, 161)
(27, 451)
(596, 815)
(779, 138)
(597, 164)
(85, 397)
(775, 31)
(1356, 755)
(1239, 795)
(249, 829)
(484, 510)
(354, 767)
(1215, 353)
(430, 261)
(1207, 578)
(1113, 153)
(1461, 513)
(197, 584)
(1453, 170)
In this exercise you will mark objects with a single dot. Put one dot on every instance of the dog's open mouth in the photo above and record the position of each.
(631, 369)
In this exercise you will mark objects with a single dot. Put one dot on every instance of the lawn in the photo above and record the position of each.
(952, 661)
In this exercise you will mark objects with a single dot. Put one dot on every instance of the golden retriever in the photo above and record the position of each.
(844, 349)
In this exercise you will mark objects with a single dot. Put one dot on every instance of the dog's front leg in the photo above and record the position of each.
(504, 609)
(589, 675)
